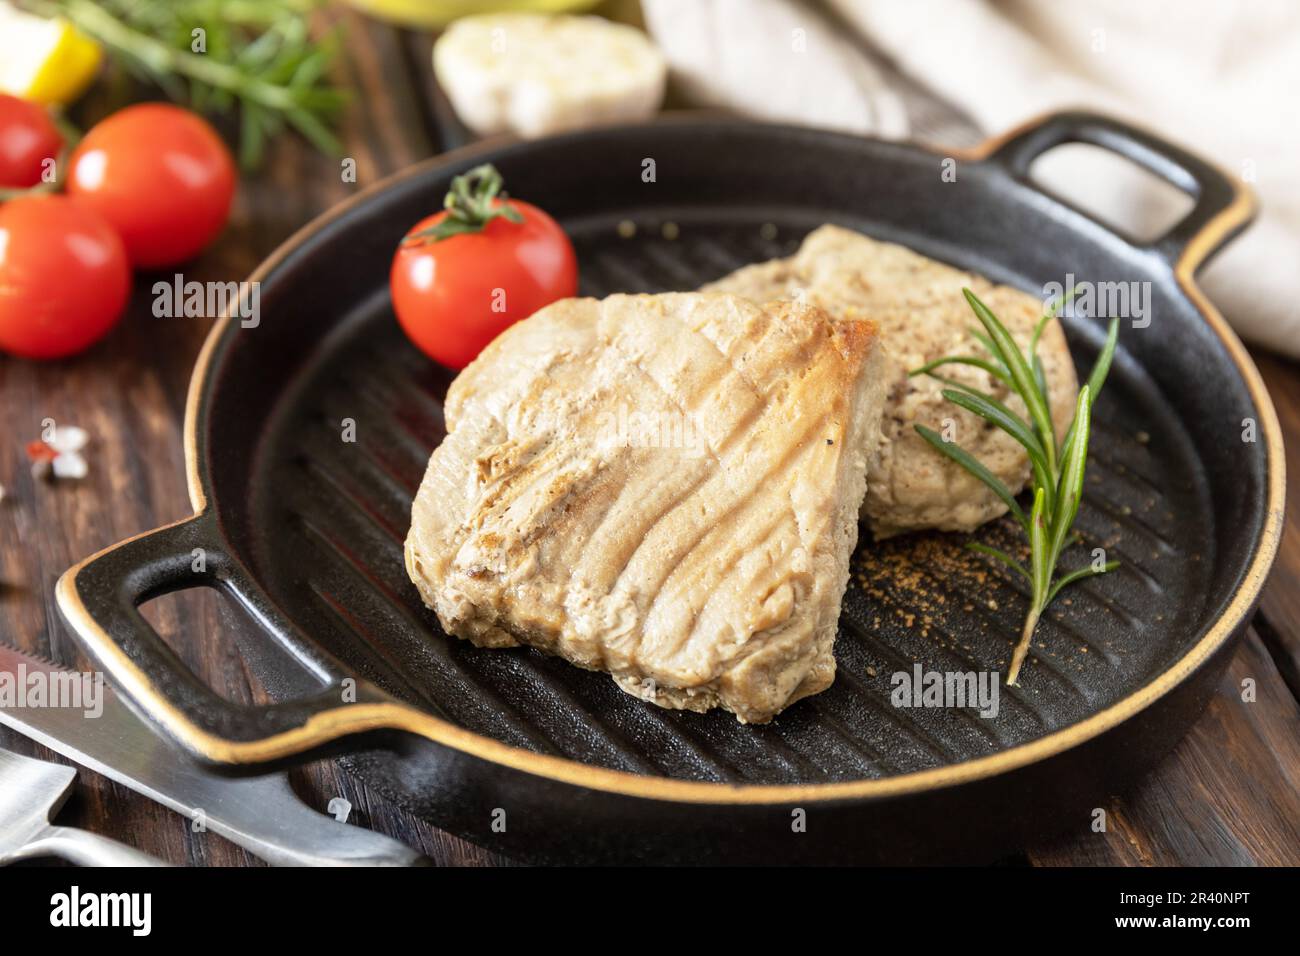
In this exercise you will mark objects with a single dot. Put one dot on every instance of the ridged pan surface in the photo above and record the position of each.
(322, 520)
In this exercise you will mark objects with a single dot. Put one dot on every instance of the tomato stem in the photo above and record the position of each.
(474, 200)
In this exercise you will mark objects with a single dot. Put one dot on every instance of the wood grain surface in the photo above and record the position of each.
(1229, 794)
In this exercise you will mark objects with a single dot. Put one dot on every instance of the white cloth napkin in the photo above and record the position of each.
(774, 60)
(1222, 79)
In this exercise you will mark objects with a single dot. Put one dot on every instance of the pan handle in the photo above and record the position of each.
(1222, 205)
(100, 599)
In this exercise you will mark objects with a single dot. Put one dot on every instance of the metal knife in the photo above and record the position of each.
(31, 793)
(261, 814)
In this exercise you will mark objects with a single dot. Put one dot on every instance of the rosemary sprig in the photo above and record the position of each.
(1057, 467)
(260, 58)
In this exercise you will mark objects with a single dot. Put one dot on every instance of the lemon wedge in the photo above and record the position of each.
(46, 61)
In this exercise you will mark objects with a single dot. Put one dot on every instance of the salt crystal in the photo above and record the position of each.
(70, 465)
(68, 438)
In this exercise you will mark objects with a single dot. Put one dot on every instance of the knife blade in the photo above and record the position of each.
(261, 814)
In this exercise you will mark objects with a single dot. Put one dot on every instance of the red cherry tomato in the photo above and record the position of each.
(64, 277)
(161, 176)
(27, 140)
(455, 295)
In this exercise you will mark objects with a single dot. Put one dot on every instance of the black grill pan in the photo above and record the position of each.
(306, 530)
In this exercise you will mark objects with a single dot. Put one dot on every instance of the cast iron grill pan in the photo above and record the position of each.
(306, 530)
(335, 514)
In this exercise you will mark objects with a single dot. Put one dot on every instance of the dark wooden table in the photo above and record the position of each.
(1229, 794)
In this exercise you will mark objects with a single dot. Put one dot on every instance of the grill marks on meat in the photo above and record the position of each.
(922, 316)
(702, 574)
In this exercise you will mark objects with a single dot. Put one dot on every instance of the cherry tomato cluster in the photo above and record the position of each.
(150, 186)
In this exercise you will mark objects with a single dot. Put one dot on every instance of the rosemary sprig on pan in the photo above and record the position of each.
(259, 56)
(1057, 467)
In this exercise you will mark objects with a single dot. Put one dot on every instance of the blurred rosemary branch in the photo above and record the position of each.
(259, 58)
(1057, 467)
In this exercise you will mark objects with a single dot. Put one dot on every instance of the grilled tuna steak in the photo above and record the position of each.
(922, 316)
(664, 487)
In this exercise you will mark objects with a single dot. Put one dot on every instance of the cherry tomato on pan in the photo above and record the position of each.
(64, 277)
(161, 176)
(479, 270)
(27, 140)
